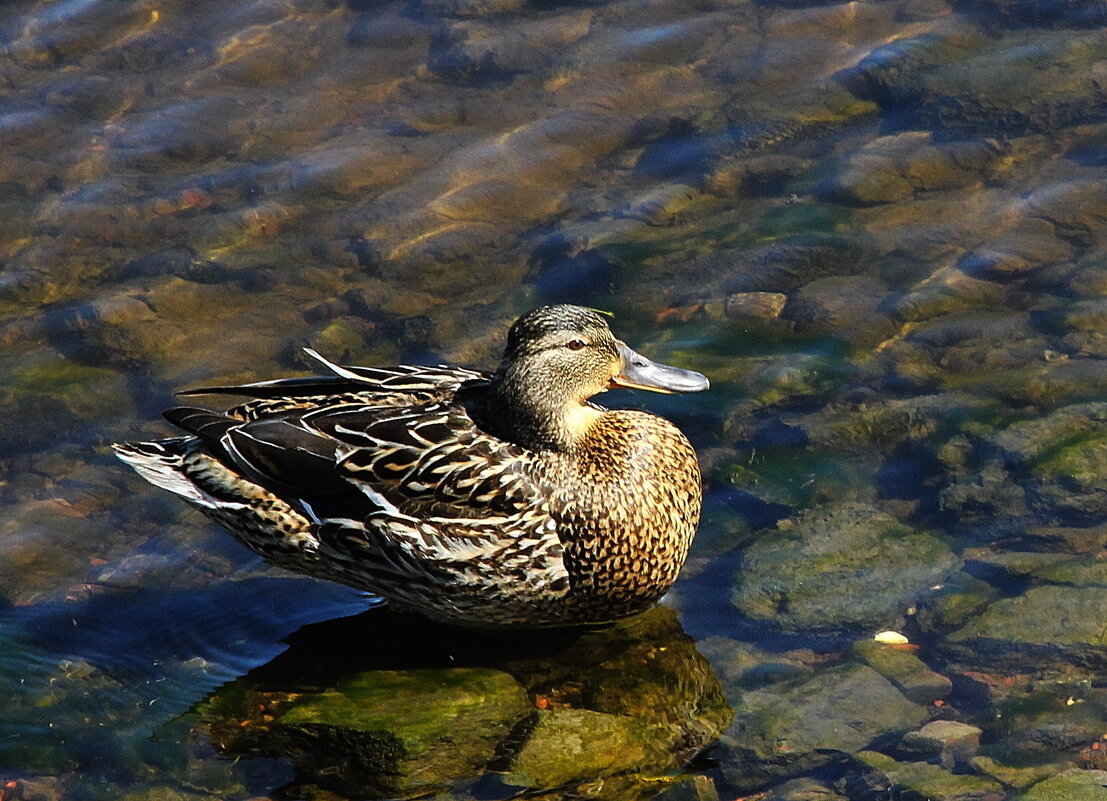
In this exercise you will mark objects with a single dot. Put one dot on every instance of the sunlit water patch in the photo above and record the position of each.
(878, 227)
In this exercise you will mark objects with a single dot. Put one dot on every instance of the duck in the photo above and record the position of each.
(482, 499)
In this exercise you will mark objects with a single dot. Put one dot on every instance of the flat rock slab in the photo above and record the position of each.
(1050, 623)
(950, 742)
(923, 780)
(570, 745)
(787, 730)
(843, 568)
(910, 674)
(1072, 785)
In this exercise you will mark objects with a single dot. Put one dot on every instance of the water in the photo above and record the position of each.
(879, 227)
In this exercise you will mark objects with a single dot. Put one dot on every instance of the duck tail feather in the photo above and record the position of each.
(162, 464)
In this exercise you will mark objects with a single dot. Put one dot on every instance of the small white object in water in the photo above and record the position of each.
(891, 637)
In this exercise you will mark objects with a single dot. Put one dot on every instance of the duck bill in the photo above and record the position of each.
(638, 372)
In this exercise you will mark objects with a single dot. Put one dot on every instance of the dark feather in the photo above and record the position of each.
(307, 386)
(209, 426)
(281, 453)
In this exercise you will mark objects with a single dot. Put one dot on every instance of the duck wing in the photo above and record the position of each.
(456, 506)
(409, 498)
(399, 386)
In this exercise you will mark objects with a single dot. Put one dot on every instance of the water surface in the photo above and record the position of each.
(879, 227)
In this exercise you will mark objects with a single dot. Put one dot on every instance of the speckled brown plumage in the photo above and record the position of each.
(489, 500)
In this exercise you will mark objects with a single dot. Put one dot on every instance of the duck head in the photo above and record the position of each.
(557, 357)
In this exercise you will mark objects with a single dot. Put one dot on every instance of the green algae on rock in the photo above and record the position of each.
(391, 732)
(1070, 785)
(950, 606)
(1046, 624)
(561, 748)
(791, 728)
(811, 575)
(951, 743)
(923, 780)
(903, 668)
(609, 705)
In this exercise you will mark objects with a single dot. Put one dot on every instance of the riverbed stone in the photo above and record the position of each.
(957, 81)
(394, 731)
(471, 8)
(803, 789)
(947, 742)
(755, 307)
(1018, 777)
(957, 600)
(1030, 244)
(740, 665)
(948, 291)
(894, 168)
(791, 728)
(923, 780)
(1071, 785)
(69, 394)
(837, 569)
(1045, 625)
(1064, 458)
(571, 745)
(786, 264)
(900, 665)
(849, 307)
(1067, 539)
(1017, 13)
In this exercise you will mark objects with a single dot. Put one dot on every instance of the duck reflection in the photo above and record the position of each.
(388, 705)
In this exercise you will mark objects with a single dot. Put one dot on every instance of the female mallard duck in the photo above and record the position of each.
(487, 500)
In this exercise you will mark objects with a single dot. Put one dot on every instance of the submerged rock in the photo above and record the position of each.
(62, 395)
(1071, 785)
(561, 747)
(755, 306)
(1053, 621)
(390, 732)
(787, 264)
(839, 569)
(895, 168)
(1062, 459)
(792, 728)
(1090, 13)
(953, 80)
(959, 598)
(1017, 777)
(803, 789)
(554, 710)
(947, 742)
(903, 668)
(848, 307)
(884, 774)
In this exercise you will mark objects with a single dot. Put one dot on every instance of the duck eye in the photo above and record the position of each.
(575, 344)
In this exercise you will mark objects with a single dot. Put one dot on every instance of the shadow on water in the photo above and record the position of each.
(93, 679)
(879, 228)
(384, 704)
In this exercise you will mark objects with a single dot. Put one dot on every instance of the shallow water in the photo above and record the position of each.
(880, 228)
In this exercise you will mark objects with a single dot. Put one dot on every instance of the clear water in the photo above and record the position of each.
(879, 227)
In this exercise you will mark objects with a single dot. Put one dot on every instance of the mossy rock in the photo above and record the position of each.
(1072, 785)
(955, 602)
(838, 569)
(1062, 459)
(61, 392)
(572, 745)
(1017, 777)
(1046, 624)
(792, 728)
(392, 731)
(932, 782)
(904, 669)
